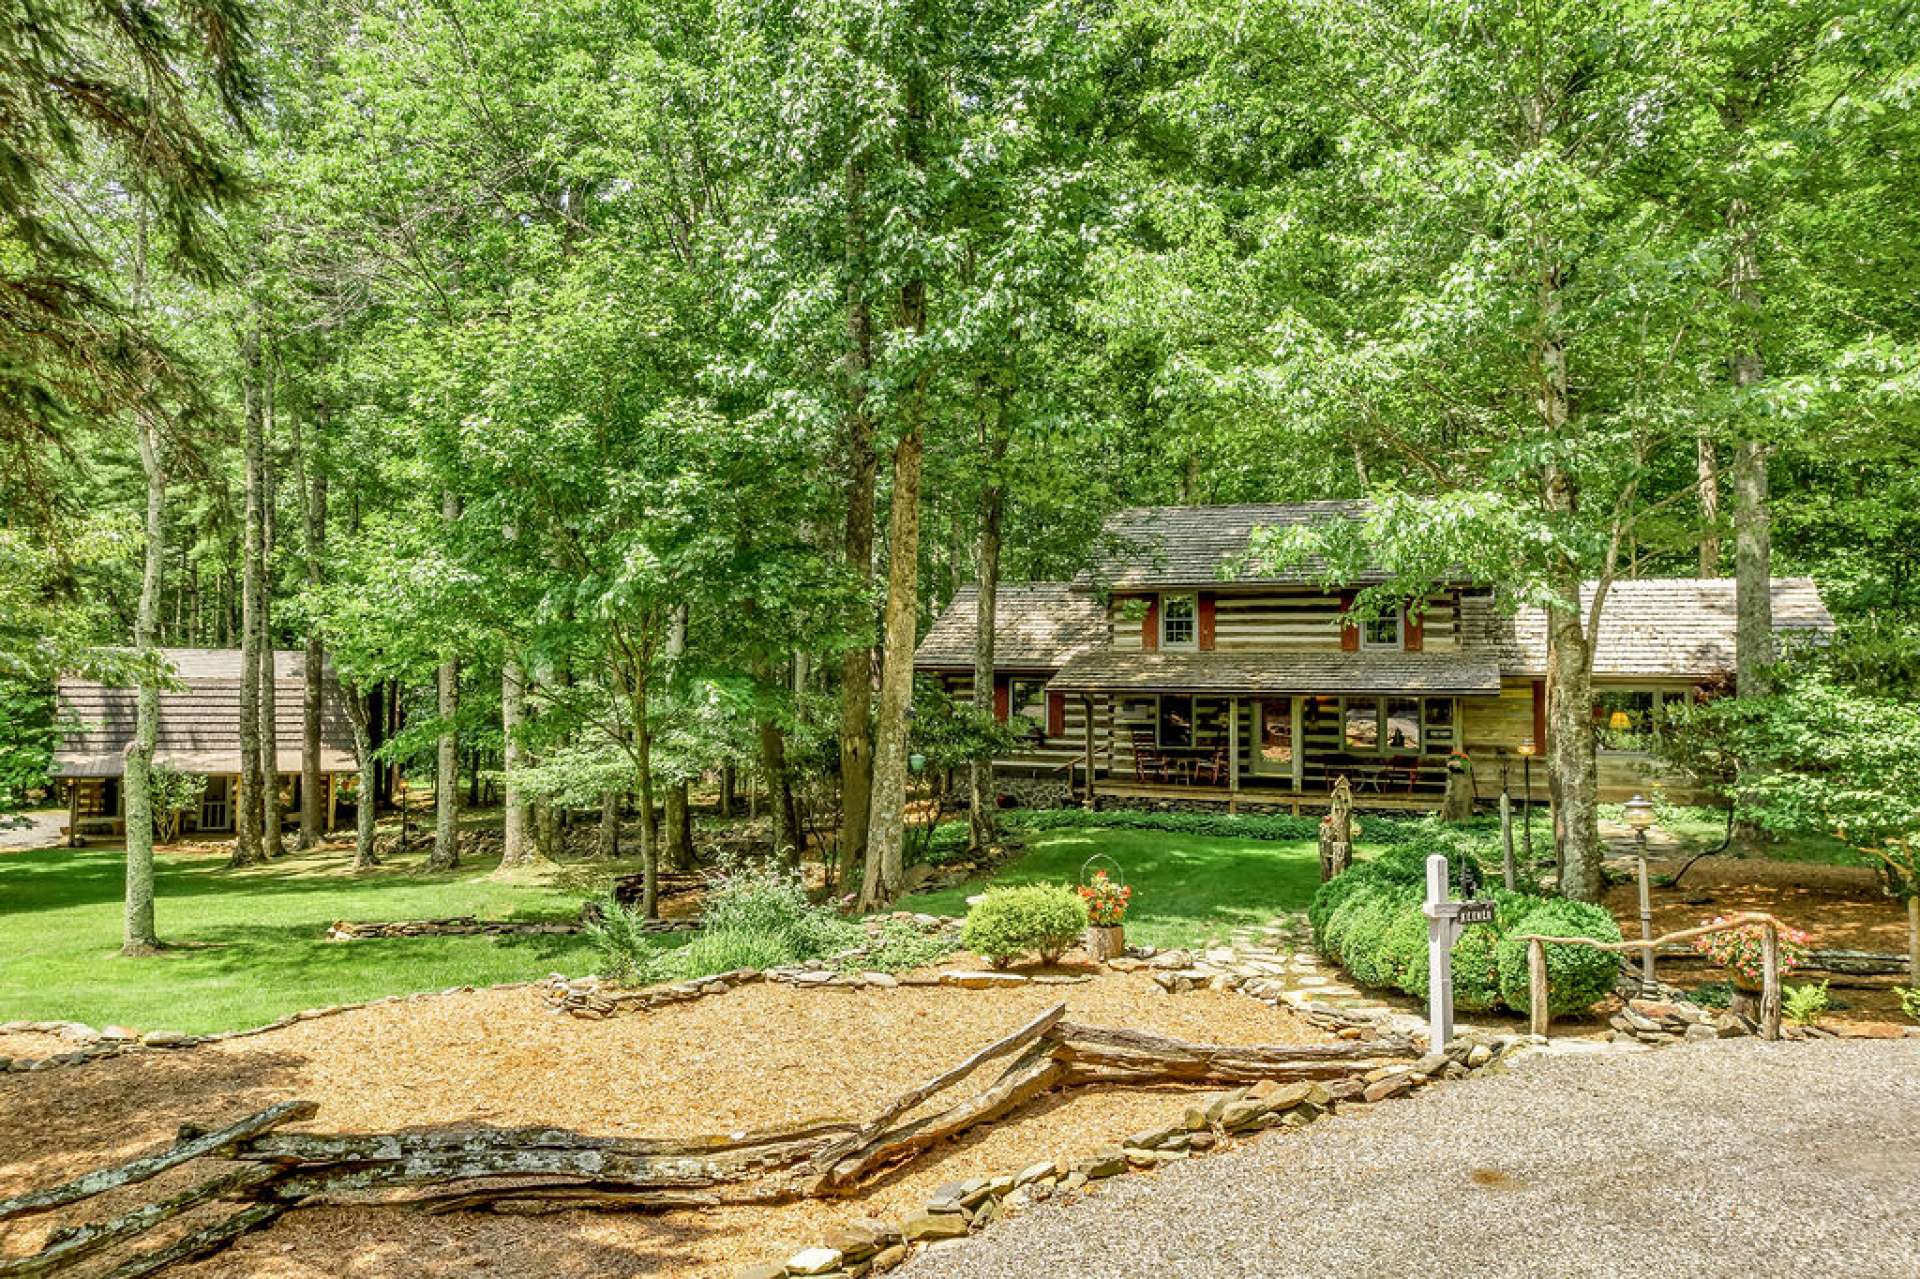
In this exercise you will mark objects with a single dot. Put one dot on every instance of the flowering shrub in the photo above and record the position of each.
(1739, 950)
(1106, 901)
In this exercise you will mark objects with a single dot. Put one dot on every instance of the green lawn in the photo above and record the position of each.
(247, 946)
(1187, 889)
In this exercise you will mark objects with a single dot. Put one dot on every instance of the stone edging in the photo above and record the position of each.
(959, 1208)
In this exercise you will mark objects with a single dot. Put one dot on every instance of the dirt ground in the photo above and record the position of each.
(761, 1055)
(1839, 907)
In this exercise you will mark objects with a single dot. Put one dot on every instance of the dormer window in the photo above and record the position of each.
(1179, 622)
(1385, 631)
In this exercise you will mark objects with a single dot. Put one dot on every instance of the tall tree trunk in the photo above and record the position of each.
(516, 850)
(251, 805)
(856, 664)
(139, 935)
(313, 510)
(887, 831)
(643, 778)
(367, 791)
(1707, 472)
(446, 780)
(725, 803)
(270, 815)
(1752, 521)
(1573, 769)
(679, 832)
(607, 838)
(982, 797)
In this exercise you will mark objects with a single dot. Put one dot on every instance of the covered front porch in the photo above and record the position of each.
(1272, 730)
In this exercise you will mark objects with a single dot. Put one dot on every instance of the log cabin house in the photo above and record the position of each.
(199, 733)
(1204, 683)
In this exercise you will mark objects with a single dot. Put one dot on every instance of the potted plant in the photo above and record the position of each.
(1106, 914)
(1740, 951)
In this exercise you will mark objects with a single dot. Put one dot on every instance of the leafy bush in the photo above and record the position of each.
(1577, 976)
(1804, 1005)
(1909, 1000)
(627, 953)
(1008, 922)
(900, 947)
(721, 950)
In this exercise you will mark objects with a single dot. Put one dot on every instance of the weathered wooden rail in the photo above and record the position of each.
(268, 1172)
(1538, 1014)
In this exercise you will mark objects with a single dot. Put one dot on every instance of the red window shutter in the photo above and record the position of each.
(1414, 628)
(1056, 714)
(1150, 626)
(1349, 629)
(1002, 695)
(1203, 628)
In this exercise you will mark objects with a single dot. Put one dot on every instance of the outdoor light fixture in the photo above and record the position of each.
(1526, 747)
(1619, 722)
(917, 762)
(1639, 813)
(1640, 817)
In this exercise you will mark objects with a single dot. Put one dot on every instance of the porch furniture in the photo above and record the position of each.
(1211, 770)
(1149, 764)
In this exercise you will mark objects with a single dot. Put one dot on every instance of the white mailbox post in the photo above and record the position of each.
(1445, 919)
(1441, 932)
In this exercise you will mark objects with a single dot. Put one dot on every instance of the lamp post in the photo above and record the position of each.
(1640, 817)
(1526, 799)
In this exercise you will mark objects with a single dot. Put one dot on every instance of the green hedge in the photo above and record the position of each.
(1427, 834)
(1577, 976)
(1369, 921)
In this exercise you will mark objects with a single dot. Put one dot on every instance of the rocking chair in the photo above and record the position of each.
(1148, 763)
(1212, 770)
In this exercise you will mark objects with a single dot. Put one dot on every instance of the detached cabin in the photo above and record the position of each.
(1170, 674)
(199, 733)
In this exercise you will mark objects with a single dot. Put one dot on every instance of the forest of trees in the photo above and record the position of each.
(623, 384)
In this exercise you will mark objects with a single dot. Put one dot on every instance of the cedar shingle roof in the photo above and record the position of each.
(1259, 673)
(1156, 547)
(1679, 627)
(1036, 626)
(200, 723)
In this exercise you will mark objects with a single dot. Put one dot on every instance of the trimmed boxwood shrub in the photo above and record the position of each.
(1009, 922)
(1370, 921)
(1577, 976)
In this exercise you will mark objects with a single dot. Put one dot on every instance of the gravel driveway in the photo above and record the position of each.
(1739, 1158)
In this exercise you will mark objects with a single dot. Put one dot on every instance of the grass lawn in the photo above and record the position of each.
(247, 946)
(1187, 889)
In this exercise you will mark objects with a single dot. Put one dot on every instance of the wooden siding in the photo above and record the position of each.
(1273, 621)
(1049, 751)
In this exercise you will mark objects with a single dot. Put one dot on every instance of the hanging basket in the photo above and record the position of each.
(1106, 940)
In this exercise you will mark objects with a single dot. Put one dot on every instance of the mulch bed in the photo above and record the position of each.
(763, 1055)
(1840, 907)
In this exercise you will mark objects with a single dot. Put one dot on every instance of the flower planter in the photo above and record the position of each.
(1106, 941)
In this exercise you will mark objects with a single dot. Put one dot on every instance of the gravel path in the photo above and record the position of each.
(1739, 1158)
(32, 830)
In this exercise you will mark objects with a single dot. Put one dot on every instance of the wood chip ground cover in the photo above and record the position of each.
(758, 1056)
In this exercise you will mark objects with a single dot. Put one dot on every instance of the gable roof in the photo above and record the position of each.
(199, 730)
(1680, 627)
(1155, 547)
(1036, 626)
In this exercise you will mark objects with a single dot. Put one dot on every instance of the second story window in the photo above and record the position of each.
(1382, 632)
(1178, 622)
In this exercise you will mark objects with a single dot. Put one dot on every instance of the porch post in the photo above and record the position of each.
(1086, 709)
(1233, 753)
(73, 812)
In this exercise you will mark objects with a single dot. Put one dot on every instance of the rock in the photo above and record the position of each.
(889, 1257)
(1073, 1181)
(860, 1239)
(1150, 1139)
(765, 1270)
(1037, 1172)
(1870, 1030)
(1125, 965)
(1391, 1086)
(881, 981)
(1478, 1056)
(1168, 960)
(1701, 1031)
(813, 1261)
(1106, 1163)
(1202, 1141)
(934, 1225)
(980, 980)
(1242, 1114)
(816, 978)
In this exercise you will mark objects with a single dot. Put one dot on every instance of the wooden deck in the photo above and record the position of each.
(1296, 802)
